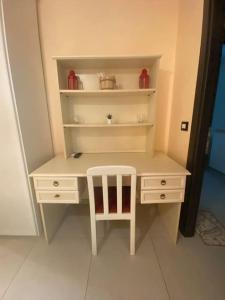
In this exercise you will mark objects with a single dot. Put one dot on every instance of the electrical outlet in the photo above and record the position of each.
(184, 126)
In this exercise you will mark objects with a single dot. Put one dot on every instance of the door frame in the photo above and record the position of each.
(213, 38)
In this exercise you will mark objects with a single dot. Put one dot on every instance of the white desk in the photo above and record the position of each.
(60, 182)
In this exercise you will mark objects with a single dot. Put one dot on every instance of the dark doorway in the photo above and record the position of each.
(212, 198)
(213, 38)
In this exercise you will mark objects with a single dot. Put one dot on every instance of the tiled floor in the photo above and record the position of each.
(65, 269)
(213, 194)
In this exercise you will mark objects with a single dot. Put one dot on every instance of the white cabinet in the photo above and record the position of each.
(162, 189)
(162, 196)
(163, 182)
(24, 125)
(67, 197)
(56, 183)
(58, 189)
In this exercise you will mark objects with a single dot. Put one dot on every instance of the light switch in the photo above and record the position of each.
(184, 126)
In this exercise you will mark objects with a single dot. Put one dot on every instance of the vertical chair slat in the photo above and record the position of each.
(119, 193)
(105, 194)
(133, 193)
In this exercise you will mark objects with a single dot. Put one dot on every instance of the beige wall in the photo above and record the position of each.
(111, 27)
(115, 27)
(186, 67)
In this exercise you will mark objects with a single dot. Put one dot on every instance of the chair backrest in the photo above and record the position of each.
(118, 172)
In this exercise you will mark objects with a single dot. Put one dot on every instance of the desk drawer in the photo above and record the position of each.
(57, 197)
(163, 182)
(56, 183)
(162, 196)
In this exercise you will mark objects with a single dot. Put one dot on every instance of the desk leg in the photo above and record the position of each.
(170, 215)
(52, 216)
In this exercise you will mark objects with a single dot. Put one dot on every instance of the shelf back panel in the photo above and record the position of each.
(94, 110)
(100, 140)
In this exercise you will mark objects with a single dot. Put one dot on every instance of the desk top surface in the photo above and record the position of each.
(159, 164)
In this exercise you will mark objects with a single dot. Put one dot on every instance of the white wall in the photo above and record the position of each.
(186, 68)
(16, 215)
(112, 27)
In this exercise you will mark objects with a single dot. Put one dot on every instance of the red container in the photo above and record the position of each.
(144, 80)
(72, 81)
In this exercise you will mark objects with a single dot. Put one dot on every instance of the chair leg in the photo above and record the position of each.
(132, 237)
(93, 237)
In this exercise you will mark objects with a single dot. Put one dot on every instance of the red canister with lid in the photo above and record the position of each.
(72, 81)
(144, 80)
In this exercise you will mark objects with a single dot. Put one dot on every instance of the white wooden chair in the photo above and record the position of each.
(112, 203)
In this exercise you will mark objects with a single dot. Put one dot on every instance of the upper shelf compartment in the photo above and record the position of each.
(108, 62)
(125, 69)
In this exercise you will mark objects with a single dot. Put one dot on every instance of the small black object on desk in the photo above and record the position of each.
(77, 155)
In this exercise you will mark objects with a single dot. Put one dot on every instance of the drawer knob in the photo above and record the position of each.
(163, 182)
(162, 196)
(57, 196)
(55, 183)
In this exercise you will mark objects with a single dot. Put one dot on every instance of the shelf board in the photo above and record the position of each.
(88, 125)
(130, 92)
(113, 62)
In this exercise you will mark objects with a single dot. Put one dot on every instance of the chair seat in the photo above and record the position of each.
(112, 196)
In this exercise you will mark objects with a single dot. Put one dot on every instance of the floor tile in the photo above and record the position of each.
(115, 275)
(13, 252)
(55, 271)
(191, 269)
(77, 223)
(65, 269)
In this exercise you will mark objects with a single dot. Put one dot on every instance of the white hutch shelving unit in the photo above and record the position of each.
(126, 141)
(88, 107)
